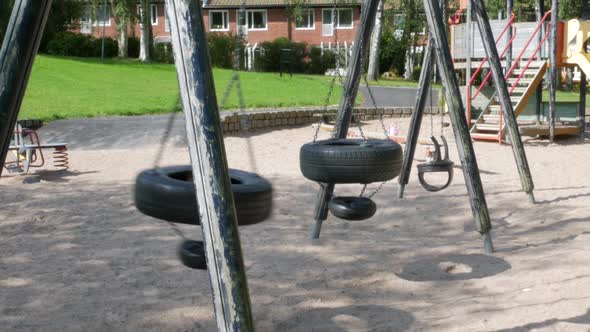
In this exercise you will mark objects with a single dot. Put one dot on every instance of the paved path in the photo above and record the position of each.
(393, 96)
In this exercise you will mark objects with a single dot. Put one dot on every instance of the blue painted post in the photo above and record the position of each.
(21, 42)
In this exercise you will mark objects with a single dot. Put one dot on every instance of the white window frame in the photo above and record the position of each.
(338, 26)
(225, 19)
(166, 19)
(312, 21)
(97, 23)
(154, 18)
(86, 21)
(248, 12)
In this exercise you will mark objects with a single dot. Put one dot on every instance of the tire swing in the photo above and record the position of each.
(169, 193)
(437, 164)
(343, 161)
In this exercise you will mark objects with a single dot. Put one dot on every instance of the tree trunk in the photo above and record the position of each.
(123, 36)
(373, 72)
(145, 24)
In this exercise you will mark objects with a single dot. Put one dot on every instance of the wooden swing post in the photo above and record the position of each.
(344, 115)
(21, 42)
(489, 44)
(225, 263)
(460, 129)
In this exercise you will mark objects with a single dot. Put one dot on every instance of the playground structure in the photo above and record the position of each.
(530, 42)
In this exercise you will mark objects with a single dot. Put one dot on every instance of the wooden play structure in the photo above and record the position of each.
(524, 73)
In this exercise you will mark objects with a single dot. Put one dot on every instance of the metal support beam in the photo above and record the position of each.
(469, 43)
(460, 129)
(21, 42)
(344, 115)
(225, 264)
(487, 38)
(553, 71)
(539, 12)
(417, 115)
(509, 9)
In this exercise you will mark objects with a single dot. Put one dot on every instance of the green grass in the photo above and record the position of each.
(65, 88)
(566, 96)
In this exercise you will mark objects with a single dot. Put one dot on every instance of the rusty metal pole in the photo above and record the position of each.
(225, 263)
(21, 42)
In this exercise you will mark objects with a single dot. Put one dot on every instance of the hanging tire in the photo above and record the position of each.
(168, 193)
(352, 208)
(351, 160)
(192, 254)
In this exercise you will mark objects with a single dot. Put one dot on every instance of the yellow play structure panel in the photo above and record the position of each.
(577, 44)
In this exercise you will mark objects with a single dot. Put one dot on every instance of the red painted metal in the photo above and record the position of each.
(469, 98)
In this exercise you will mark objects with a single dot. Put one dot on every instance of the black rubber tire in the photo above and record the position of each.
(192, 254)
(352, 208)
(351, 160)
(32, 124)
(168, 193)
(441, 166)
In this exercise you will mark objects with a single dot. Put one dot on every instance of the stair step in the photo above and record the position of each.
(484, 137)
(529, 71)
(522, 81)
(487, 127)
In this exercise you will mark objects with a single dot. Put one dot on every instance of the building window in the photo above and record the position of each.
(103, 16)
(345, 18)
(256, 19)
(219, 20)
(154, 9)
(86, 20)
(306, 21)
(398, 21)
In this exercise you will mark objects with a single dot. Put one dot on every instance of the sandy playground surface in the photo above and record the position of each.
(75, 255)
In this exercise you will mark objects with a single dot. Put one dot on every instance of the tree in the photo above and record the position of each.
(373, 71)
(124, 13)
(145, 39)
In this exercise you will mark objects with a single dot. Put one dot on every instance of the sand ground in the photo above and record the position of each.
(75, 254)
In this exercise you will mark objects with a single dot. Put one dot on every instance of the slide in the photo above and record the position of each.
(577, 48)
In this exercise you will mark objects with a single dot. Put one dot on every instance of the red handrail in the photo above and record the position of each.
(487, 78)
(509, 24)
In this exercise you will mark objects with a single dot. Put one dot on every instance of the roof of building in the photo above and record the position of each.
(277, 3)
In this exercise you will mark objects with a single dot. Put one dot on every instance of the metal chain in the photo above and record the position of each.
(372, 97)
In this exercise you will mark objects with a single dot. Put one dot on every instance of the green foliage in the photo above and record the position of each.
(320, 63)
(163, 53)
(222, 48)
(79, 45)
(274, 52)
(62, 17)
(392, 53)
(133, 47)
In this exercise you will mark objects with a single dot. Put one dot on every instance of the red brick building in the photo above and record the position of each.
(265, 20)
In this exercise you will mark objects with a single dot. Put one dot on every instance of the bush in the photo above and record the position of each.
(222, 48)
(133, 47)
(392, 54)
(320, 63)
(274, 52)
(416, 73)
(79, 45)
(163, 53)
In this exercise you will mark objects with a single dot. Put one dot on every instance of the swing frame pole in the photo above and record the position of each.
(487, 37)
(344, 115)
(473, 182)
(417, 116)
(225, 263)
(20, 45)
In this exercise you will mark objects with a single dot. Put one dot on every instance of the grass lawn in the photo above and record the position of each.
(62, 88)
